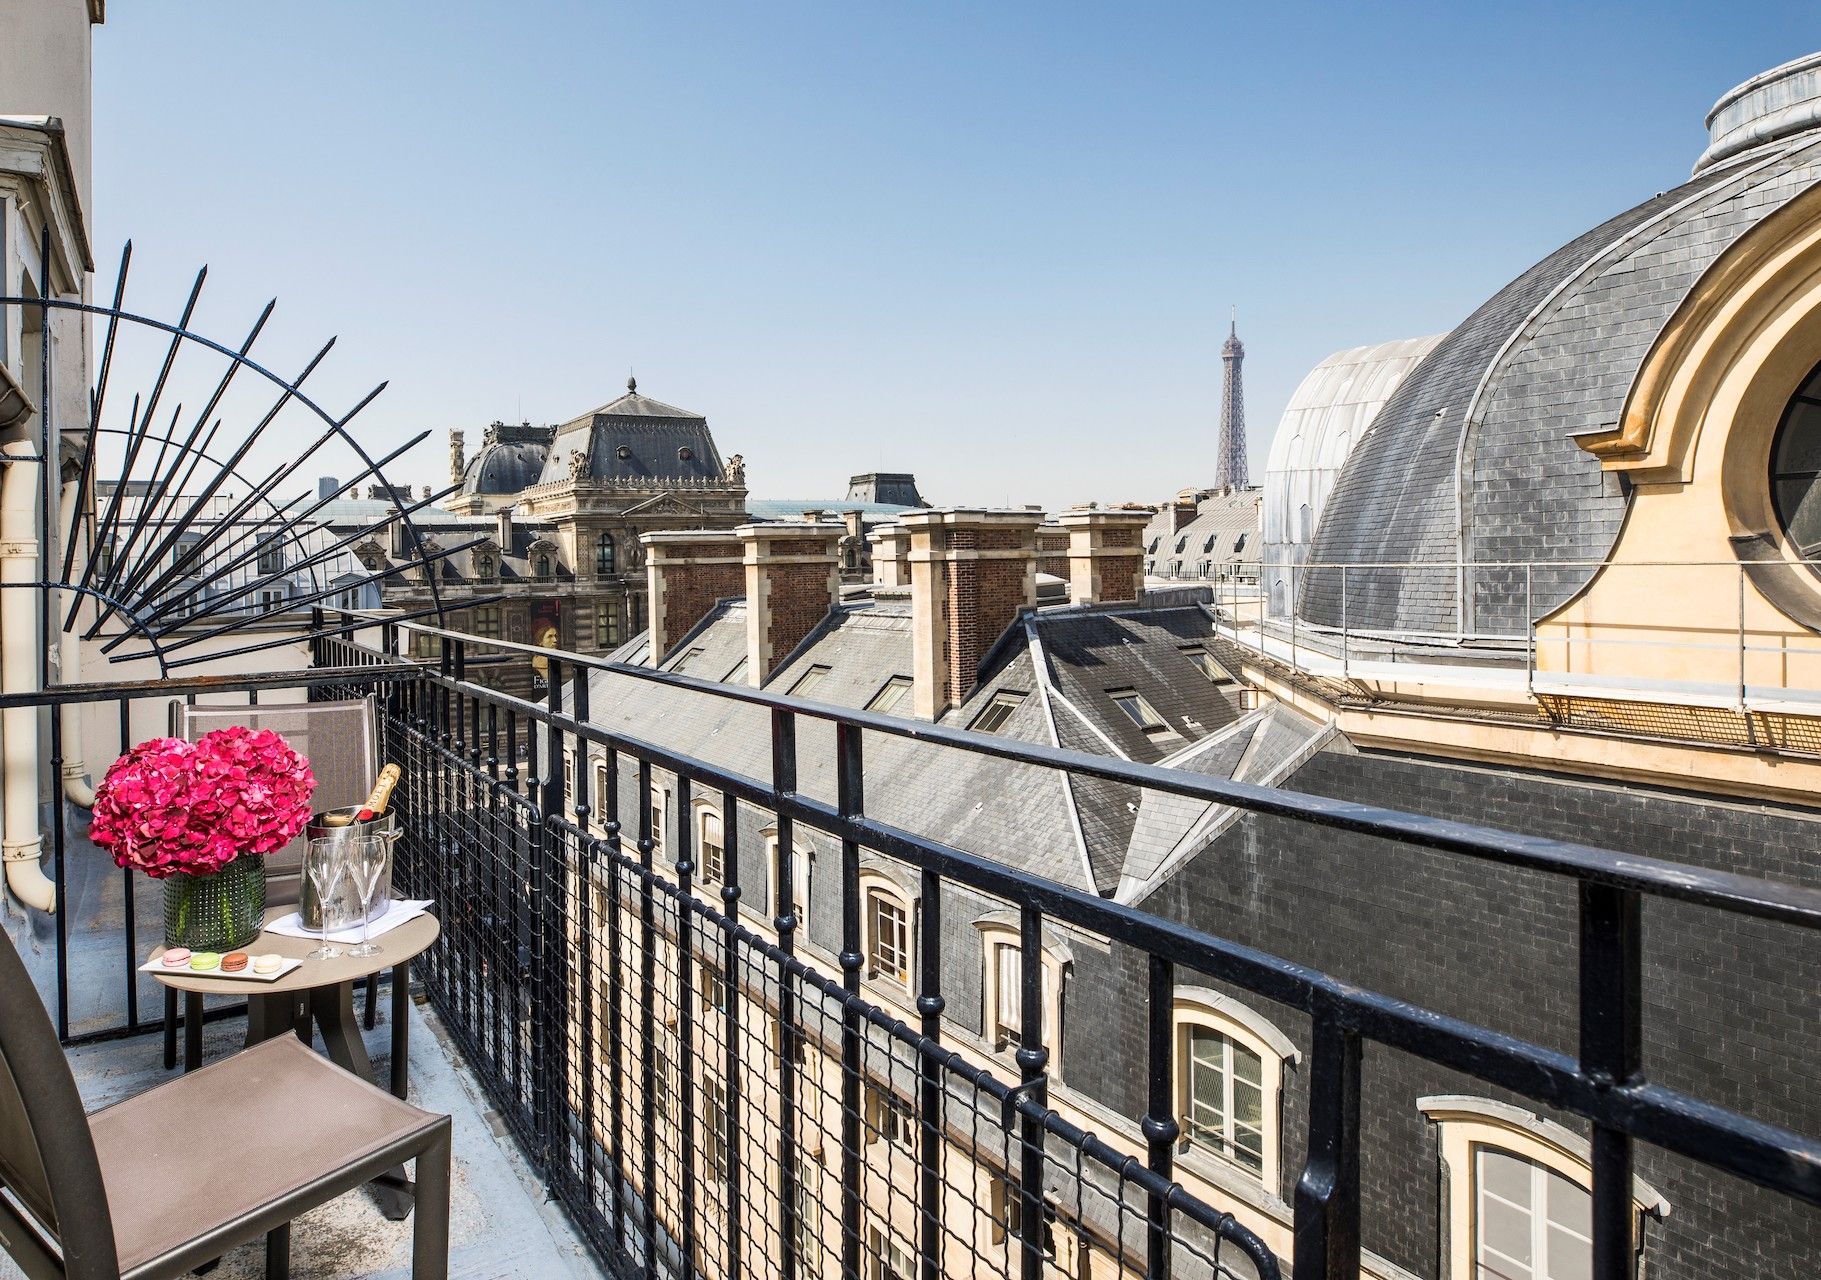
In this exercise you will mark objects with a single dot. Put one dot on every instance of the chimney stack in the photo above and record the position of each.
(1182, 511)
(502, 530)
(971, 573)
(792, 577)
(686, 572)
(891, 549)
(1106, 554)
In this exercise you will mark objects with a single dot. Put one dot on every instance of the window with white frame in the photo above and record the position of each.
(600, 792)
(808, 1201)
(888, 1257)
(659, 805)
(800, 859)
(714, 988)
(712, 845)
(1530, 1223)
(1004, 1002)
(1230, 1065)
(1516, 1200)
(1008, 1217)
(714, 1126)
(891, 1119)
(887, 921)
(1139, 711)
(1224, 1096)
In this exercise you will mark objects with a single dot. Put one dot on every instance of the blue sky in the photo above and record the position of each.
(992, 244)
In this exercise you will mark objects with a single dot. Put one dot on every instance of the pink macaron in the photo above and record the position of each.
(176, 957)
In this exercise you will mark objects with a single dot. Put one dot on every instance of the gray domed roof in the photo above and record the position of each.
(1474, 456)
(510, 459)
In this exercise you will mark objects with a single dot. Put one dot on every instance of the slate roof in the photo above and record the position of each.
(504, 468)
(660, 442)
(1223, 533)
(1473, 456)
(1075, 830)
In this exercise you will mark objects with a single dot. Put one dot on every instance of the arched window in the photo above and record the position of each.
(484, 567)
(886, 918)
(603, 554)
(1002, 1002)
(543, 566)
(1230, 1076)
(1795, 467)
(1516, 1198)
(711, 845)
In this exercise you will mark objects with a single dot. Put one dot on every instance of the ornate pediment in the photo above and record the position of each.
(665, 504)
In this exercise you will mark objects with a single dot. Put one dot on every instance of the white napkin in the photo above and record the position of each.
(401, 911)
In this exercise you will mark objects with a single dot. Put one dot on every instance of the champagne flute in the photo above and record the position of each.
(367, 864)
(326, 863)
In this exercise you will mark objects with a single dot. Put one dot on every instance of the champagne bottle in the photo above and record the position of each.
(381, 795)
(374, 804)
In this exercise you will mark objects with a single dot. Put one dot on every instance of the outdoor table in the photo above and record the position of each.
(321, 991)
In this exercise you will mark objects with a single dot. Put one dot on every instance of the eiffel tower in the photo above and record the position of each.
(1230, 473)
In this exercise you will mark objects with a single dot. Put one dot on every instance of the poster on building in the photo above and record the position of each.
(544, 628)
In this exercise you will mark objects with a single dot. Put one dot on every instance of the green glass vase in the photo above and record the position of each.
(221, 912)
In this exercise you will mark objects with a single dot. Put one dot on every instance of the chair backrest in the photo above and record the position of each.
(341, 741)
(52, 1198)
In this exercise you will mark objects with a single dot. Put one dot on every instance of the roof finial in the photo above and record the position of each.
(632, 383)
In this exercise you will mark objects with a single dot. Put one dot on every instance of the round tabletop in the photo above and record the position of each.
(396, 946)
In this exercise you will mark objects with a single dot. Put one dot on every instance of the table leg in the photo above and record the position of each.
(170, 1028)
(192, 1030)
(333, 1008)
(401, 1029)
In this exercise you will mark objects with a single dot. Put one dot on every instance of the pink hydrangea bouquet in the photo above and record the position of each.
(170, 807)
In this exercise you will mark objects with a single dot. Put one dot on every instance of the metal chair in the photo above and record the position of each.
(173, 1178)
(341, 740)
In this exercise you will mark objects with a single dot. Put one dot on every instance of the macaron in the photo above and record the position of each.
(234, 962)
(205, 960)
(175, 957)
(268, 962)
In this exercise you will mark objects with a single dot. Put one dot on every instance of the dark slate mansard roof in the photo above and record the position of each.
(1474, 458)
(661, 443)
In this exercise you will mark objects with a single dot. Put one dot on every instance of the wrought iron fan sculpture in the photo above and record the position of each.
(177, 538)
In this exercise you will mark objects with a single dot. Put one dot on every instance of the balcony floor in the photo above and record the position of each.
(500, 1224)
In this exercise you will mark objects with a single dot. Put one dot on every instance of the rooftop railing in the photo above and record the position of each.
(707, 1093)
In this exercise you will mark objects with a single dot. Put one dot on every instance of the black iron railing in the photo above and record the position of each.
(708, 1095)
(795, 1112)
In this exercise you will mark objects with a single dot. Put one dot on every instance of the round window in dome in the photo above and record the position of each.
(1795, 469)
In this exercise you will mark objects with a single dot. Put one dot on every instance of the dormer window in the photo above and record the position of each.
(483, 567)
(1795, 468)
(543, 566)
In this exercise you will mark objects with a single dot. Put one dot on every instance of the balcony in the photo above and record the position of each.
(741, 1012)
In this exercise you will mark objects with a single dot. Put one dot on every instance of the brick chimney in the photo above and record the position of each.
(792, 579)
(971, 572)
(1106, 554)
(1183, 509)
(686, 572)
(891, 546)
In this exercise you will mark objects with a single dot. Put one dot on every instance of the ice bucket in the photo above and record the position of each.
(344, 906)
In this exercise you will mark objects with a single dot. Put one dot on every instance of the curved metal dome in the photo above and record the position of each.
(503, 467)
(1327, 415)
(1473, 459)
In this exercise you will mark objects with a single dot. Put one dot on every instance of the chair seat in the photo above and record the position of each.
(218, 1145)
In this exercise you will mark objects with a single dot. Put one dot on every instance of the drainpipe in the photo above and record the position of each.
(76, 787)
(20, 848)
